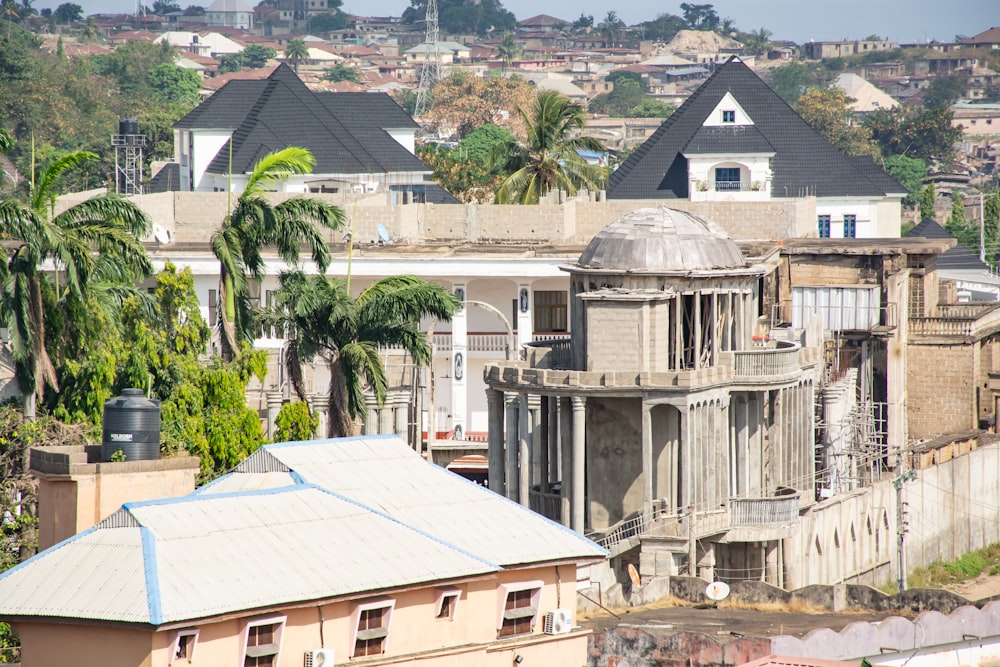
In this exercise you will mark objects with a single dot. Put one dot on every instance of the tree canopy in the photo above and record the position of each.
(468, 102)
(459, 16)
(827, 111)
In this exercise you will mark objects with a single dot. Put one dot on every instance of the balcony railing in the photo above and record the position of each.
(763, 511)
(489, 341)
(548, 505)
(780, 360)
(958, 319)
(736, 186)
(554, 354)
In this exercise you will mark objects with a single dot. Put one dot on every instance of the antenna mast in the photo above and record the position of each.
(430, 73)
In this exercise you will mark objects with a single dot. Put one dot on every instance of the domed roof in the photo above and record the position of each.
(661, 240)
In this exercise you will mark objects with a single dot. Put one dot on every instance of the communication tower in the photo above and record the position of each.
(430, 73)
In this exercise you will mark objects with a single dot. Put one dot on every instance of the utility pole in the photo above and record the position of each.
(430, 73)
(901, 524)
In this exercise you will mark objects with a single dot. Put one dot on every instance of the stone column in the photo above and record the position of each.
(385, 419)
(402, 419)
(555, 471)
(274, 402)
(459, 363)
(371, 417)
(579, 463)
(565, 413)
(494, 403)
(510, 488)
(542, 440)
(647, 459)
(523, 451)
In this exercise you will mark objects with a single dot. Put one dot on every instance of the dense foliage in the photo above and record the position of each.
(464, 170)
(468, 102)
(295, 422)
(461, 17)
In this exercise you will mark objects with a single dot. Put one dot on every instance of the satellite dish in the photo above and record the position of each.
(161, 234)
(717, 590)
(633, 575)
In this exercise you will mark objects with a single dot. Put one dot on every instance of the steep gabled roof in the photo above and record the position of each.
(281, 111)
(804, 163)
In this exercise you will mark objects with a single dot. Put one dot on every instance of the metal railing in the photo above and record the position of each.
(737, 186)
(763, 511)
(548, 505)
(780, 360)
(554, 354)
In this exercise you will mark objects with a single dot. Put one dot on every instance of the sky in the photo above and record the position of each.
(904, 21)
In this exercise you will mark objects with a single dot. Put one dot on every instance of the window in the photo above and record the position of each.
(824, 226)
(447, 601)
(182, 650)
(550, 311)
(520, 608)
(727, 178)
(729, 116)
(850, 226)
(371, 627)
(213, 307)
(262, 641)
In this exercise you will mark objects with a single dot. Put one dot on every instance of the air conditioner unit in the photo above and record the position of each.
(319, 657)
(558, 622)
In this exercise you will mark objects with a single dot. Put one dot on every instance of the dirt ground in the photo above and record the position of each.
(983, 586)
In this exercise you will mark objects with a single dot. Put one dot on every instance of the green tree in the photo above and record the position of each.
(611, 27)
(110, 225)
(323, 319)
(926, 134)
(792, 79)
(927, 203)
(68, 12)
(943, 91)
(89, 32)
(171, 83)
(959, 227)
(827, 111)
(465, 170)
(626, 95)
(650, 108)
(910, 172)
(131, 64)
(548, 160)
(295, 422)
(342, 72)
(461, 17)
(163, 7)
(508, 50)
(700, 17)
(255, 223)
(991, 229)
(663, 28)
(296, 52)
(230, 62)
(620, 75)
(585, 21)
(256, 56)
(327, 22)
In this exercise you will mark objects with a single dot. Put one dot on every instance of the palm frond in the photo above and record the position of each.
(279, 165)
(45, 188)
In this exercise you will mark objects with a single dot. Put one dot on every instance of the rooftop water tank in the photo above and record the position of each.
(132, 425)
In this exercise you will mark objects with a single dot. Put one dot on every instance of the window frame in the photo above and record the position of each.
(729, 116)
(276, 620)
(444, 594)
(550, 313)
(823, 226)
(175, 644)
(388, 604)
(853, 221)
(505, 591)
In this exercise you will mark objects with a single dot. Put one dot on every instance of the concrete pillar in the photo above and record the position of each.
(714, 328)
(647, 459)
(320, 407)
(371, 417)
(697, 329)
(459, 363)
(510, 487)
(565, 412)
(555, 469)
(523, 451)
(402, 419)
(579, 463)
(494, 412)
(274, 401)
(385, 419)
(542, 440)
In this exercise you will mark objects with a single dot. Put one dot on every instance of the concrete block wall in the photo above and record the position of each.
(945, 401)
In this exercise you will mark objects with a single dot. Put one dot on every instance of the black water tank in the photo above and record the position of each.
(128, 126)
(131, 424)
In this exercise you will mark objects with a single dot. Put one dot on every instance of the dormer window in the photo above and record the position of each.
(729, 116)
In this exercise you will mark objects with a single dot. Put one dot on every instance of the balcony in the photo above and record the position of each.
(781, 358)
(490, 341)
(958, 320)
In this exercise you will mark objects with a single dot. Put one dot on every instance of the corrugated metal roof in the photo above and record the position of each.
(210, 554)
(383, 472)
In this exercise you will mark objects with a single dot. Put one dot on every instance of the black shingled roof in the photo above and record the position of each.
(958, 257)
(804, 163)
(280, 111)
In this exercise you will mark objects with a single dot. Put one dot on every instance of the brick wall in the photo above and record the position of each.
(941, 388)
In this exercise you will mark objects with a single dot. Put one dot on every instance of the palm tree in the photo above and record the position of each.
(549, 159)
(611, 26)
(295, 52)
(322, 318)
(508, 50)
(256, 223)
(758, 42)
(103, 229)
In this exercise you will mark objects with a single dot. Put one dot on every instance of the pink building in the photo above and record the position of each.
(352, 550)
